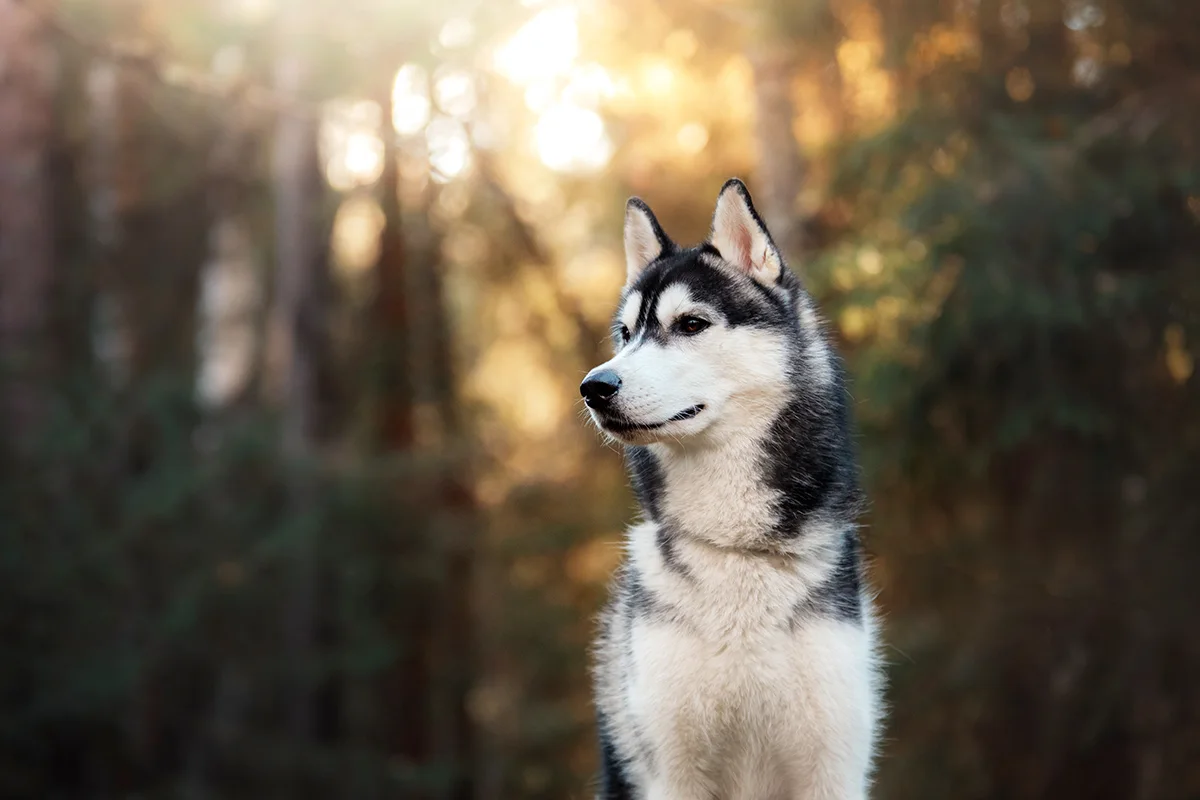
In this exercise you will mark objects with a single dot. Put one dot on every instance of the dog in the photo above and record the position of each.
(736, 657)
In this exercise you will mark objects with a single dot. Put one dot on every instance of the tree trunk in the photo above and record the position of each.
(391, 312)
(296, 319)
(108, 199)
(136, 218)
(993, 41)
(1048, 54)
(407, 687)
(231, 297)
(297, 339)
(454, 640)
(780, 167)
(27, 252)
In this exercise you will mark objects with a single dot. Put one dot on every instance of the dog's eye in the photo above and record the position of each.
(691, 325)
(624, 334)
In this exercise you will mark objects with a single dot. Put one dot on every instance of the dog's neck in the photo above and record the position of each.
(774, 473)
(715, 490)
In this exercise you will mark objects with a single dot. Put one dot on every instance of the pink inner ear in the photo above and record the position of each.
(733, 236)
(739, 238)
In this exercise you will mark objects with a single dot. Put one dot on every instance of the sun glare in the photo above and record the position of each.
(588, 85)
(458, 32)
(572, 139)
(351, 148)
(692, 138)
(540, 95)
(543, 48)
(364, 155)
(658, 77)
(355, 240)
(449, 148)
(249, 11)
(569, 135)
(455, 92)
(410, 100)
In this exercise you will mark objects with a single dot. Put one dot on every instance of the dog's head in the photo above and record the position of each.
(709, 339)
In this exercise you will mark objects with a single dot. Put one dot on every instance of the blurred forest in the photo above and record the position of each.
(295, 498)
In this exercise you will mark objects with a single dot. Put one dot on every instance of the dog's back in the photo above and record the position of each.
(736, 656)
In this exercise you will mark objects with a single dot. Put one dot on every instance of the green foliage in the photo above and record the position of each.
(1013, 276)
(1019, 268)
(144, 574)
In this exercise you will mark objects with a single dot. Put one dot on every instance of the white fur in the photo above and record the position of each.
(730, 687)
(738, 374)
(673, 303)
(630, 310)
(770, 714)
(733, 701)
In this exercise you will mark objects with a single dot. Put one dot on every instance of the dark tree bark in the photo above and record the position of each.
(296, 314)
(136, 218)
(994, 45)
(780, 169)
(454, 639)
(297, 332)
(1048, 55)
(27, 250)
(391, 312)
(407, 685)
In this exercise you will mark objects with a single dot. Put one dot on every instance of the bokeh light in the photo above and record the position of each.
(996, 206)
(543, 48)
(454, 91)
(351, 148)
(449, 148)
(572, 139)
(410, 100)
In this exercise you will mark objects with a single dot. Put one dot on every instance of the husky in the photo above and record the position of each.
(736, 657)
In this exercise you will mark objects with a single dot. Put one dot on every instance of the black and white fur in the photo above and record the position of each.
(736, 658)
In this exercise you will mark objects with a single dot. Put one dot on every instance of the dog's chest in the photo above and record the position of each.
(748, 713)
(726, 667)
(749, 681)
(729, 670)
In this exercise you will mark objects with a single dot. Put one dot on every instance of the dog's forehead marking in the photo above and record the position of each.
(631, 309)
(672, 302)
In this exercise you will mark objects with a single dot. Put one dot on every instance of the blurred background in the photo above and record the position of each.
(295, 296)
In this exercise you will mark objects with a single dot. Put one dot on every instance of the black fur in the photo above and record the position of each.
(664, 537)
(840, 596)
(636, 601)
(759, 307)
(808, 455)
(614, 783)
(647, 480)
(811, 461)
(640, 601)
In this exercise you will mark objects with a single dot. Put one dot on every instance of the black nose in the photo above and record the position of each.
(599, 387)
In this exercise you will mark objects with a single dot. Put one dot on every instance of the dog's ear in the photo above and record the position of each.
(741, 237)
(644, 238)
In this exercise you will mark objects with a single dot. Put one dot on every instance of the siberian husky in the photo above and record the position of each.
(736, 659)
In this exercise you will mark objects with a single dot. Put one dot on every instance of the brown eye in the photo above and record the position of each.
(624, 334)
(691, 325)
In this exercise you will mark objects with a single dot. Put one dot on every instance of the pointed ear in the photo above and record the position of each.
(644, 238)
(741, 237)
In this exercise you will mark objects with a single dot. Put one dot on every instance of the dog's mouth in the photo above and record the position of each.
(623, 425)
